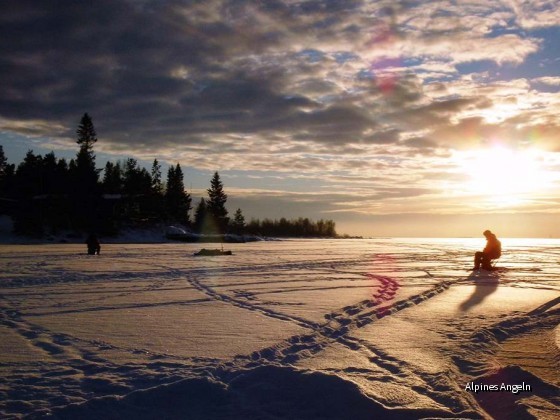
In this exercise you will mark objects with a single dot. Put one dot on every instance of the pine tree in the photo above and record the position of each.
(216, 203)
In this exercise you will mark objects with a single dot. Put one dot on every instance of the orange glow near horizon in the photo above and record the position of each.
(505, 177)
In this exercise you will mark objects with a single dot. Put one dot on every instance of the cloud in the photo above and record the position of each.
(185, 74)
(551, 81)
(32, 128)
(536, 14)
(352, 92)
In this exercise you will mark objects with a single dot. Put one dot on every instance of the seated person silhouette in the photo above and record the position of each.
(93, 245)
(492, 251)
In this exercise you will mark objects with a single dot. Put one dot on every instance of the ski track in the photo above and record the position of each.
(79, 371)
(337, 329)
(82, 357)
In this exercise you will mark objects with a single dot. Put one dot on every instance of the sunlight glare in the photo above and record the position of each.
(504, 175)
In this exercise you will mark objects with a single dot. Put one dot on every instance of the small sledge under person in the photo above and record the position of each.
(492, 251)
(93, 246)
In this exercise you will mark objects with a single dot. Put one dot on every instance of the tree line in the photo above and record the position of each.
(46, 194)
(300, 227)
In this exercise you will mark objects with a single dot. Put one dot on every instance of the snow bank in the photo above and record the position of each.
(267, 392)
(522, 395)
(152, 235)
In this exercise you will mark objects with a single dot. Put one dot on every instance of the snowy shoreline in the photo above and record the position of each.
(143, 236)
(386, 328)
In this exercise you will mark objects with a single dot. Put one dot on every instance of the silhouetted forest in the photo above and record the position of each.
(301, 227)
(47, 195)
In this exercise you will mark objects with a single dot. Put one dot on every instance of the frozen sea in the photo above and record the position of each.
(317, 329)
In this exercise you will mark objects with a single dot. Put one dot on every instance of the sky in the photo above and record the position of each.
(393, 118)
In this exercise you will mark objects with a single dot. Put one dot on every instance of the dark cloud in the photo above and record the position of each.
(189, 73)
(420, 142)
(173, 69)
(67, 56)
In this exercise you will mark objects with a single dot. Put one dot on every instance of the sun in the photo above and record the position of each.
(503, 175)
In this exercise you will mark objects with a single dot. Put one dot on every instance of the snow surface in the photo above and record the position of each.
(326, 329)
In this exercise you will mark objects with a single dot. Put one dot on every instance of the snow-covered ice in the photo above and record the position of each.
(384, 328)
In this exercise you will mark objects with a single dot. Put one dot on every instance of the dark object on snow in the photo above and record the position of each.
(492, 251)
(93, 246)
(212, 252)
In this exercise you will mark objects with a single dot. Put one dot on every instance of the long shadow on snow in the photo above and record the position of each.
(486, 284)
(266, 392)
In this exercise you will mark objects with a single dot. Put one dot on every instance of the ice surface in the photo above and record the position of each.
(392, 328)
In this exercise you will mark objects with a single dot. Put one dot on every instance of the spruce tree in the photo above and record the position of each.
(177, 200)
(84, 177)
(3, 163)
(29, 175)
(29, 181)
(86, 174)
(6, 174)
(216, 203)
(136, 180)
(238, 224)
(63, 176)
(200, 217)
(49, 173)
(112, 178)
(87, 136)
(156, 202)
(157, 186)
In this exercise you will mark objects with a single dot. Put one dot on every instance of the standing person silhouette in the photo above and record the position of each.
(492, 251)
(93, 245)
